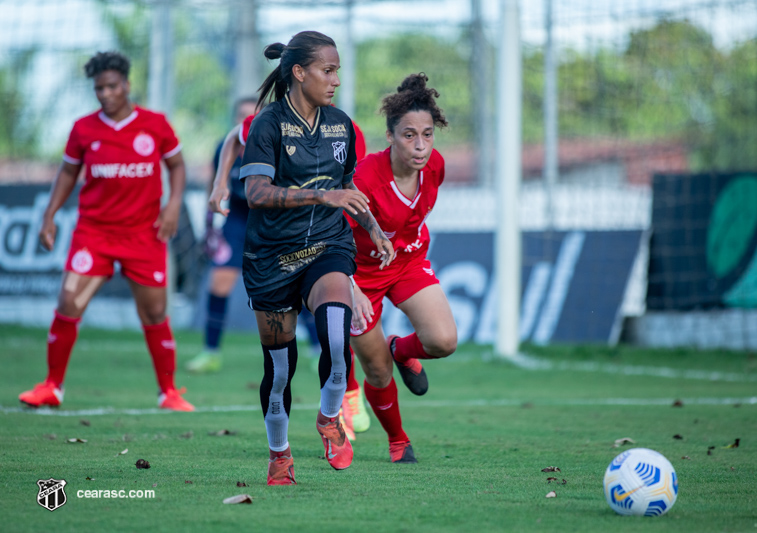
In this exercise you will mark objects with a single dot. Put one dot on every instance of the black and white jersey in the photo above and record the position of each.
(283, 147)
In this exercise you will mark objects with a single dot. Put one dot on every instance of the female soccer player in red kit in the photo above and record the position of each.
(401, 184)
(120, 219)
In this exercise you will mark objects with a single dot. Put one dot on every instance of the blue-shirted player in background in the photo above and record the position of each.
(224, 248)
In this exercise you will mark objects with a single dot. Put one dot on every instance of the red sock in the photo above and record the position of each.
(387, 410)
(162, 349)
(352, 383)
(60, 342)
(409, 347)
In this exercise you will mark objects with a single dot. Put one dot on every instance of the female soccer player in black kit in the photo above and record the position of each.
(297, 168)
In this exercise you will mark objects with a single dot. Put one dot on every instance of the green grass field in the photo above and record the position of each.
(482, 435)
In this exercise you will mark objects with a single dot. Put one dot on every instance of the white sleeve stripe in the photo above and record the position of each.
(69, 159)
(172, 152)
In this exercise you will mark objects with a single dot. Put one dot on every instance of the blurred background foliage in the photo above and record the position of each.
(668, 81)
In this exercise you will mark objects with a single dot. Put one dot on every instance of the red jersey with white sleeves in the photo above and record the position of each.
(402, 219)
(360, 148)
(122, 186)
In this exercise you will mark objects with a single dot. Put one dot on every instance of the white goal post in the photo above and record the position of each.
(507, 244)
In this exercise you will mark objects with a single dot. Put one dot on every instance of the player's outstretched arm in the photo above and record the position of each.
(229, 153)
(63, 184)
(261, 193)
(168, 220)
(369, 224)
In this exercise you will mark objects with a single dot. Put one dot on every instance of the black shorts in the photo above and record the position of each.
(290, 296)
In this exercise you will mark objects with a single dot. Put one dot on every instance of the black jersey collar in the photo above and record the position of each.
(305, 122)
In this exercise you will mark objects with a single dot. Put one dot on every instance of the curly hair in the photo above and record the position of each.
(412, 95)
(102, 61)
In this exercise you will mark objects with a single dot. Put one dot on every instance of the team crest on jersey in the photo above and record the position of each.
(144, 144)
(95, 146)
(51, 494)
(291, 150)
(82, 261)
(340, 151)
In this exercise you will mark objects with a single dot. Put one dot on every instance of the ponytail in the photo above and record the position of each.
(301, 50)
(275, 81)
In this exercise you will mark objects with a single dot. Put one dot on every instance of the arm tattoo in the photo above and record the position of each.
(261, 193)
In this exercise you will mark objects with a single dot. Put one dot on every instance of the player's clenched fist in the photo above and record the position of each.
(47, 233)
(219, 194)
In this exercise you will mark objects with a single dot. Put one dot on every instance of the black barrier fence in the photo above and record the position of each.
(574, 285)
(573, 282)
(27, 269)
(703, 250)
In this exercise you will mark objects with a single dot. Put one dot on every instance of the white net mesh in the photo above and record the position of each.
(643, 87)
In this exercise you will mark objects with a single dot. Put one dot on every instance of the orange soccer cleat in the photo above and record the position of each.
(337, 446)
(281, 468)
(46, 393)
(171, 399)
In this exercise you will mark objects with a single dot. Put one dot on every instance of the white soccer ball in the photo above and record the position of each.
(640, 481)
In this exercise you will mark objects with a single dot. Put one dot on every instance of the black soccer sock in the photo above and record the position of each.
(332, 321)
(279, 365)
(215, 321)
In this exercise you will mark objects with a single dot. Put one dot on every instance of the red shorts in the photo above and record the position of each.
(398, 282)
(141, 255)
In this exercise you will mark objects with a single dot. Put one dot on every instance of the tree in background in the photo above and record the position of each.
(669, 83)
(202, 86)
(19, 128)
(383, 63)
(131, 31)
(733, 136)
(675, 64)
(202, 82)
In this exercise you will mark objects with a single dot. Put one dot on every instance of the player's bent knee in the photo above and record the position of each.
(153, 317)
(380, 374)
(379, 381)
(443, 346)
(68, 309)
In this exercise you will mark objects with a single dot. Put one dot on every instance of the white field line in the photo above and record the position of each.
(663, 402)
(90, 346)
(528, 362)
(521, 360)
